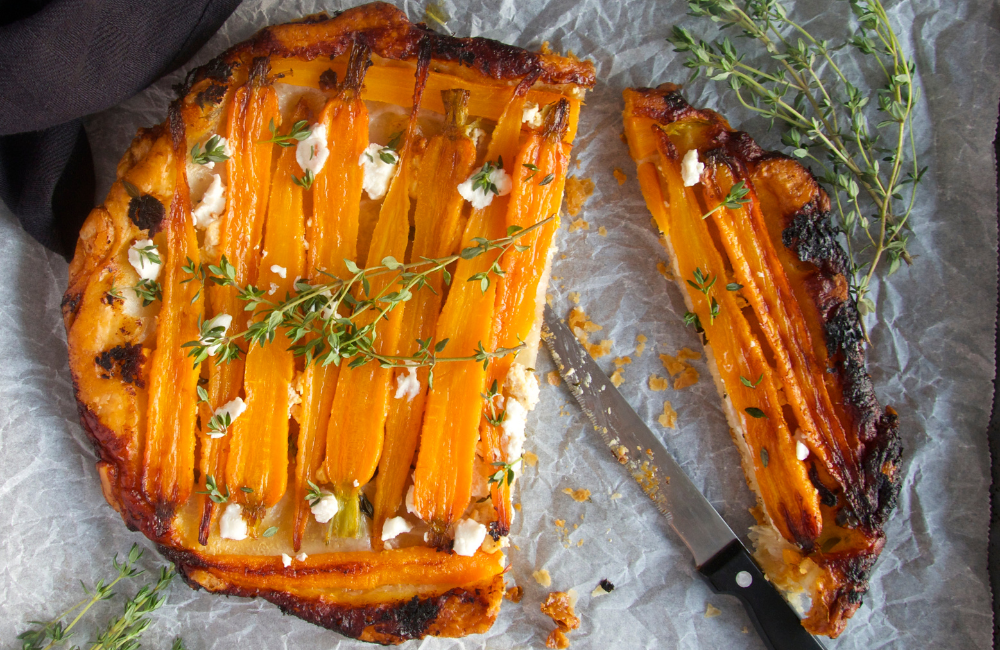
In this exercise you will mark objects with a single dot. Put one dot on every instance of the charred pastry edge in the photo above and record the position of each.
(809, 235)
(458, 610)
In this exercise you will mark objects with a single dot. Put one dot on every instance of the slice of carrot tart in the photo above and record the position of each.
(764, 280)
(303, 323)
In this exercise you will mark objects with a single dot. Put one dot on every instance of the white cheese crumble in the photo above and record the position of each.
(531, 115)
(410, 507)
(512, 440)
(213, 204)
(280, 271)
(273, 290)
(231, 524)
(469, 536)
(324, 509)
(407, 384)
(223, 321)
(301, 557)
(476, 135)
(480, 197)
(234, 408)
(691, 169)
(145, 267)
(522, 385)
(394, 527)
(312, 152)
(377, 172)
(286, 560)
(801, 451)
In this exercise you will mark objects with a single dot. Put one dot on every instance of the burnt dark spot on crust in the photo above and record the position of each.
(328, 80)
(70, 302)
(826, 496)
(212, 95)
(811, 237)
(147, 213)
(125, 360)
(218, 69)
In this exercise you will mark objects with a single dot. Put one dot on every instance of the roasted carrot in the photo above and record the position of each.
(539, 179)
(333, 236)
(445, 164)
(257, 463)
(357, 422)
(443, 476)
(168, 459)
(253, 108)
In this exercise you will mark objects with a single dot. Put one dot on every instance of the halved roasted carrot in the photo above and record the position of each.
(252, 110)
(168, 453)
(357, 422)
(445, 164)
(788, 497)
(257, 464)
(539, 178)
(333, 237)
(443, 476)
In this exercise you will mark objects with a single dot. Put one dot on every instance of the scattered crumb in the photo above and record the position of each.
(577, 191)
(559, 607)
(620, 176)
(664, 271)
(599, 350)
(560, 523)
(581, 325)
(548, 299)
(673, 365)
(578, 224)
(622, 137)
(517, 506)
(514, 594)
(622, 361)
(711, 611)
(557, 640)
(687, 353)
(545, 48)
(669, 417)
(553, 378)
(745, 630)
(575, 297)
(616, 378)
(687, 378)
(580, 495)
(579, 543)
(658, 383)
(542, 577)
(602, 231)
(530, 459)
(563, 256)
(640, 344)
(604, 587)
(616, 496)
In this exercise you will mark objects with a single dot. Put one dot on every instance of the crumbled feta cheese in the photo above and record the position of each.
(273, 290)
(407, 384)
(480, 197)
(531, 115)
(394, 527)
(522, 385)
(469, 536)
(410, 507)
(515, 419)
(377, 172)
(231, 524)
(234, 409)
(223, 321)
(312, 152)
(286, 560)
(324, 509)
(801, 451)
(301, 557)
(476, 135)
(213, 204)
(145, 267)
(280, 271)
(691, 169)
(356, 484)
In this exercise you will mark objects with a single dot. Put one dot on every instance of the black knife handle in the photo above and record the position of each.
(732, 571)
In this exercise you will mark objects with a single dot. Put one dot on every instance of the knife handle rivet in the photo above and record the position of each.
(744, 579)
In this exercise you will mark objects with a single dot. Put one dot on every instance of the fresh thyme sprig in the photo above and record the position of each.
(322, 320)
(213, 491)
(314, 494)
(871, 170)
(215, 151)
(122, 633)
(490, 408)
(481, 180)
(298, 133)
(149, 291)
(733, 200)
(505, 473)
(306, 181)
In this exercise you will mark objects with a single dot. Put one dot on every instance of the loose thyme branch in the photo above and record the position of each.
(313, 317)
(826, 120)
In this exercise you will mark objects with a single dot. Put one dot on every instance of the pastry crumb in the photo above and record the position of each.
(559, 607)
(658, 383)
(687, 353)
(711, 611)
(582, 326)
(602, 231)
(577, 191)
(514, 594)
(622, 361)
(578, 224)
(640, 346)
(575, 297)
(542, 577)
(553, 378)
(669, 416)
(603, 588)
(615, 496)
(672, 365)
(580, 495)
(619, 176)
(517, 506)
(664, 271)
(617, 378)
(530, 459)
(579, 543)
(557, 640)
(687, 378)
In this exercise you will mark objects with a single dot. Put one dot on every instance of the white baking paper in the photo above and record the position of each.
(933, 360)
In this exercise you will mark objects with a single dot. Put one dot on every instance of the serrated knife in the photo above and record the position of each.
(718, 554)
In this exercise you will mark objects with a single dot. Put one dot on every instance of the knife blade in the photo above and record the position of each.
(718, 553)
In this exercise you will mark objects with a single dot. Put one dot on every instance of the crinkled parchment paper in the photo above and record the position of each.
(933, 359)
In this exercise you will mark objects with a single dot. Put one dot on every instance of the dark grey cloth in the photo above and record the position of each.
(63, 59)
